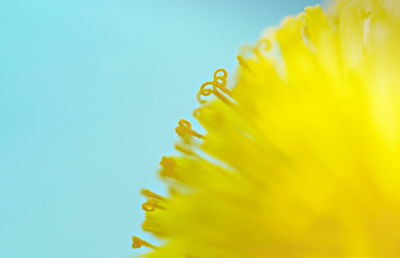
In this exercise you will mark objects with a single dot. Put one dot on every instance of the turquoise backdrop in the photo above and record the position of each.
(90, 93)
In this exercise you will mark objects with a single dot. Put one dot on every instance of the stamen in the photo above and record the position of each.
(137, 243)
(262, 45)
(167, 162)
(183, 150)
(150, 194)
(265, 44)
(243, 62)
(168, 165)
(152, 205)
(196, 112)
(218, 85)
(185, 128)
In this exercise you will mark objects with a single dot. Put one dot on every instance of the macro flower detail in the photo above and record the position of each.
(301, 151)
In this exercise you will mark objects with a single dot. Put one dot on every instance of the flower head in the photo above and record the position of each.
(301, 155)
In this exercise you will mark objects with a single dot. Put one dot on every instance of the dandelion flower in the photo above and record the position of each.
(301, 155)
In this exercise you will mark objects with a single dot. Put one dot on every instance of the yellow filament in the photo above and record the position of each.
(243, 62)
(167, 162)
(137, 243)
(185, 128)
(218, 85)
(168, 165)
(196, 112)
(151, 205)
(150, 194)
(264, 44)
(183, 150)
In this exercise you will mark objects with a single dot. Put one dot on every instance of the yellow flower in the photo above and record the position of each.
(301, 155)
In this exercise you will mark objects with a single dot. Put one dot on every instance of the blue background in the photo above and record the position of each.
(90, 93)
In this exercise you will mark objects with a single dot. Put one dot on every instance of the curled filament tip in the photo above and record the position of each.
(217, 87)
(184, 128)
(151, 205)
